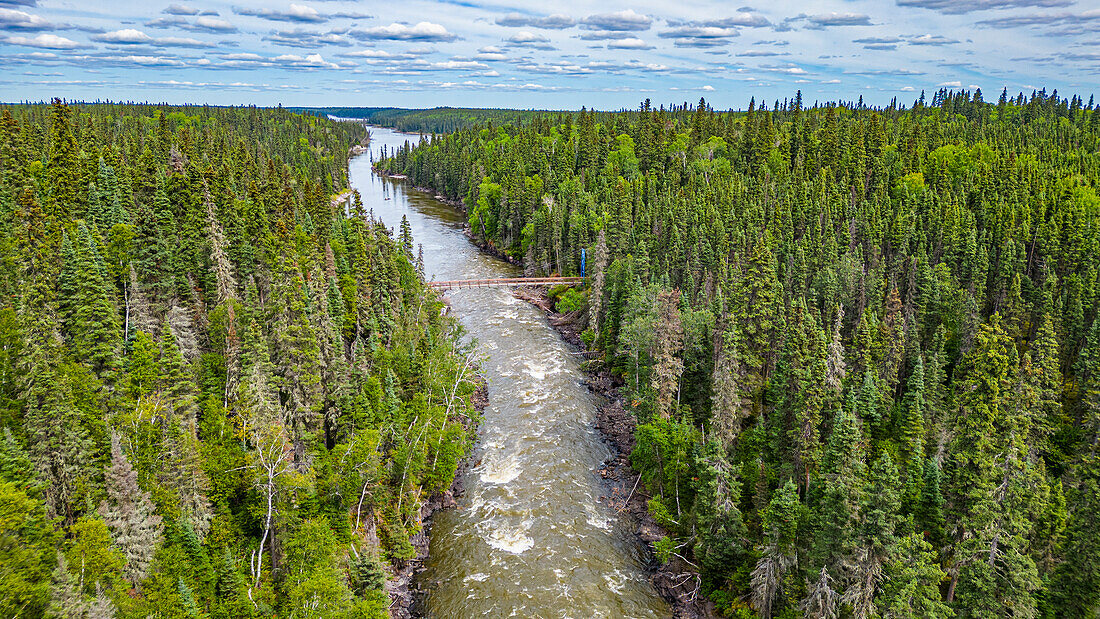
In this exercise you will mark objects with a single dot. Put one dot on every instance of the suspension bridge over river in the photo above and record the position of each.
(505, 282)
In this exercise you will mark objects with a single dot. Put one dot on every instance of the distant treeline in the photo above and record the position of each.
(435, 120)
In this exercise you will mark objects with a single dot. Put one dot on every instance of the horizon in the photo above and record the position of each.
(761, 105)
(523, 55)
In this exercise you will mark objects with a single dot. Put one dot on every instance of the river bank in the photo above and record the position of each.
(677, 581)
(458, 205)
(402, 588)
(534, 533)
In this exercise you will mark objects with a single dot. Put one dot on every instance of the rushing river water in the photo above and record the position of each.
(529, 537)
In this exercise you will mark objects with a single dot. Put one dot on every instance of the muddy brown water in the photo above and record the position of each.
(530, 537)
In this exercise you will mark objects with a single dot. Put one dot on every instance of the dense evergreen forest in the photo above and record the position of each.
(434, 120)
(223, 391)
(862, 345)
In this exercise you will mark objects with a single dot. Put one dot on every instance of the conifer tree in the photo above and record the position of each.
(668, 342)
(129, 513)
(756, 314)
(780, 522)
(728, 408)
(176, 382)
(910, 588)
(722, 531)
(66, 601)
(881, 516)
(91, 320)
(843, 474)
(994, 572)
(59, 443)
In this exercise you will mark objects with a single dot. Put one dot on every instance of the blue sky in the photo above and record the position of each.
(531, 54)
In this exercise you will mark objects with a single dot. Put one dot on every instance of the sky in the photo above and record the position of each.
(545, 55)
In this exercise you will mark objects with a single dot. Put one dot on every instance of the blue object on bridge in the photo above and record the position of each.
(582, 262)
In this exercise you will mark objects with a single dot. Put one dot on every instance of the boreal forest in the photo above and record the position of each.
(225, 390)
(862, 346)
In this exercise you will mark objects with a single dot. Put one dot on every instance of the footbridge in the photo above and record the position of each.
(505, 282)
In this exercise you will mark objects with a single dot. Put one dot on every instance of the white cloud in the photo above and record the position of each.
(44, 41)
(422, 31)
(180, 9)
(127, 36)
(370, 53)
(631, 43)
(523, 37)
(619, 20)
(297, 13)
(452, 65)
(11, 19)
(213, 24)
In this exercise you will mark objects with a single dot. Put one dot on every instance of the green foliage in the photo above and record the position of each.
(571, 300)
(837, 327)
(204, 366)
(664, 548)
(26, 552)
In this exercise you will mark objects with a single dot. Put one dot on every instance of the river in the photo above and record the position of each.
(530, 537)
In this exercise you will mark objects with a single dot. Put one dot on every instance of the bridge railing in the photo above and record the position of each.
(506, 281)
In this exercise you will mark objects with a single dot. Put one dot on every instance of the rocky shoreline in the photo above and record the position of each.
(676, 581)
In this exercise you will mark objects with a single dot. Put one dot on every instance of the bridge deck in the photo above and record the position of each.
(509, 281)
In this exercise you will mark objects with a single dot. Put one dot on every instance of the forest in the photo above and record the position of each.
(862, 345)
(225, 390)
(434, 120)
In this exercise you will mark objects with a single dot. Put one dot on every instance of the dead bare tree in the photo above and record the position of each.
(273, 456)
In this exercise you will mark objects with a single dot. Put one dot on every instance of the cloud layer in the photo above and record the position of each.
(534, 54)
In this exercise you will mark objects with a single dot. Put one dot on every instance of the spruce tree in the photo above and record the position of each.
(129, 513)
(911, 581)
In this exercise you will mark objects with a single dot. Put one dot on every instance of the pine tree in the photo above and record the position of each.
(800, 378)
(63, 200)
(91, 320)
(837, 368)
(128, 512)
(1045, 378)
(881, 516)
(842, 485)
(722, 531)
(780, 522)
(929, 515)
(822, 601)
(869, 404)
(756, 315)
(668, 343)
(176, 383)
(911, 429)
(995, 575)
(728, 407)
(296, 356)
(59, 442)
(910, 589)
(66, 601)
